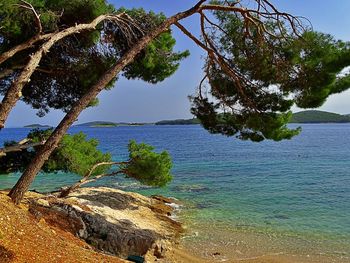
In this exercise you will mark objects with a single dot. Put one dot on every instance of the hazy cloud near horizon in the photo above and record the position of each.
(136, 101)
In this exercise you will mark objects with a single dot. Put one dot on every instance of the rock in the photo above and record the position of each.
(114, 221)
(42, 202)
(164, 199)
(160, 248)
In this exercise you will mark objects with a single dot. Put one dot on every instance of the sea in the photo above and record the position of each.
(240, 200)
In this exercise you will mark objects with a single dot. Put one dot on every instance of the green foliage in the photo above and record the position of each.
(18, 24)
(74, 154)
(147, 166)
(158, 60)
(75, 63)
(321, 59)
(275, 74)
(77, 155)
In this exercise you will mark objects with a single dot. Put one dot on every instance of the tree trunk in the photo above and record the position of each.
(66, 191)
(22, 186)
(87, 178)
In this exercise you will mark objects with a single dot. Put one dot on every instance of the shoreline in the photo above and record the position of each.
(255, 248)
(225, 246)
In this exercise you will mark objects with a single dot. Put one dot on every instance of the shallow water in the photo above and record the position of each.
(253, 198)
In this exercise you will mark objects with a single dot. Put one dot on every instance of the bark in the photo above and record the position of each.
(14, 93)
(87, 178)
(66, 191)
(28, 44)
(22, 186)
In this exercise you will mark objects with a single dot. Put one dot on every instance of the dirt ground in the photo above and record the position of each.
(24, 239)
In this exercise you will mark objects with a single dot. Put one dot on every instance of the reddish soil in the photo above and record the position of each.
(25, 239)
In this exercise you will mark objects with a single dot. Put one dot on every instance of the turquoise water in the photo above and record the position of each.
(297, 190)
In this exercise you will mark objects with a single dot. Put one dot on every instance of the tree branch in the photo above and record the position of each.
(22, 145)
(14, 93)
(87, 178)
(28, 6)
(93, 168)
(28, 44)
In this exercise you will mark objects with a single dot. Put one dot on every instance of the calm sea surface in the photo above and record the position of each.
(278, 197)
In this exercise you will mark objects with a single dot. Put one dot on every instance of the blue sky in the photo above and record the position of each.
(136, 101)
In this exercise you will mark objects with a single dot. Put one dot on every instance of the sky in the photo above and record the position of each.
(137, 101)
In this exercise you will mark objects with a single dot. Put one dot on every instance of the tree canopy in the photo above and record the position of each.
(147, 166)
(268, 74)
(76, 62)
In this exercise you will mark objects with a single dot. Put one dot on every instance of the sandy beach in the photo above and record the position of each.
(181, 255)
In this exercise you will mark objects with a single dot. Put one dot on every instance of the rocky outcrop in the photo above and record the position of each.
(113, 221)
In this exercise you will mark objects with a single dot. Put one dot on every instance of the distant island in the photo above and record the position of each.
(314, 116)
(34, 126)
(179, 122)
(309, 116)
(107, 124)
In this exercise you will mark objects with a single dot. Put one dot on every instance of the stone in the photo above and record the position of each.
(42, 202)
(115, 222)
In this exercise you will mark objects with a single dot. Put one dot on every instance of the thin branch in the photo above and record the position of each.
(274, 14)
(29, 6)
(87, 178)
(93, 168)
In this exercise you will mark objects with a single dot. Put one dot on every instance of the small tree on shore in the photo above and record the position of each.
(144, 165)
(75, 154)
(260, 63)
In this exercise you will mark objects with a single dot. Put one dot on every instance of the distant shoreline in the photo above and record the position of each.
(303, 117)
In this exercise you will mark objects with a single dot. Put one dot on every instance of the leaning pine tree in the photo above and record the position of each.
(260, 62)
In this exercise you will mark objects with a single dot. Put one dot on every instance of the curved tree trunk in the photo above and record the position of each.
(66, 191)
(52, 142)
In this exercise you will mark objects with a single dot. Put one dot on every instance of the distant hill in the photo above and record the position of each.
(33, 126)
(178, 122)
(107, 124)
(309, 116)
(314, 116)
(98, 124)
